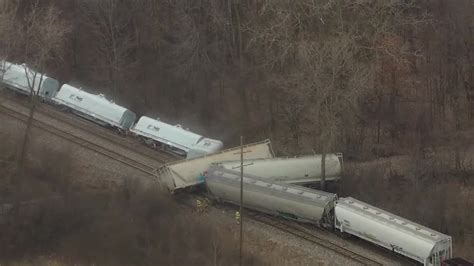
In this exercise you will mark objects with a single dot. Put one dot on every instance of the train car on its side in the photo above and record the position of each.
(22, 79)
(294, 170)
(95, 108)
(272, 197)
(177, 139)
(392, 232)
(190, 172)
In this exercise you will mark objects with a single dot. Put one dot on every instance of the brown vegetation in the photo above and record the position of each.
(359, 77)
(134, 226)
(371, 79)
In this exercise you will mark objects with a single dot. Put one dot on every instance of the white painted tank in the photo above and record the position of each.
(20, 78)
(296, 170)
(392, 232)
(175, 136)
(95, 107)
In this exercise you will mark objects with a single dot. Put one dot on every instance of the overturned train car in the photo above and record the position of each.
(293, 170)
(189, 173)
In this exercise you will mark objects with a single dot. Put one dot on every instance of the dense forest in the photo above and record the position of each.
(372, 79)
(352, 76)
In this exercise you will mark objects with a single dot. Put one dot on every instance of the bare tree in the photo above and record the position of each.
(8, 38)
(42, 38)
(110, 24)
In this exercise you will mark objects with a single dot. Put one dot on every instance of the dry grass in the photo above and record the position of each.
(134, 226)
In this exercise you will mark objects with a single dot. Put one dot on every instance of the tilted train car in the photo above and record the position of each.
(392, 232)
(22, 79)
(189, 172)
(94, 107)
(272, 197)
(347, 215)
(181, 141)
(296, 170)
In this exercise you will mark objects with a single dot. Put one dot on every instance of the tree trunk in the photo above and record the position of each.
(18, 181)
(26, 136)
(323, 171)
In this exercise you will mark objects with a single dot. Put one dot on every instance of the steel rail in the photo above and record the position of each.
(301, 232)
(290, 227)
(92, 128)
(82, 142)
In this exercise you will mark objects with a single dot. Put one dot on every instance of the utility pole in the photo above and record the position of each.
(241, 195)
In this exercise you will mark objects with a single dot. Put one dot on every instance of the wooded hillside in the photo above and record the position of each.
(360, 77)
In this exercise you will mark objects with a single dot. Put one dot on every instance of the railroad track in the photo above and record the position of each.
(93, 129)
(82, 142)
(306, 234)
(288, 226)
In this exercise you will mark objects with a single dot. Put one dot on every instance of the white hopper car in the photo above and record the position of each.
(97, 108)
(276, 198)
(94, 107)
(296, 170)
(392, 232)
(22, 79)
(190, 172)
(349, 215)
(180, 140)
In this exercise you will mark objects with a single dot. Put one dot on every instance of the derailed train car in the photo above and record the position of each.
(392, 232)
(179, 140)
(189, 173)
(276, 198)
(22, 79)
(293, 170)
(347, 215)
(94, 107)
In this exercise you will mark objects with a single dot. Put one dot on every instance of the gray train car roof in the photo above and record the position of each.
(184, 173)
(294, 192)
(296, 170)
(391, 220)
(94, 105)
(173, 135)
(15, 76)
